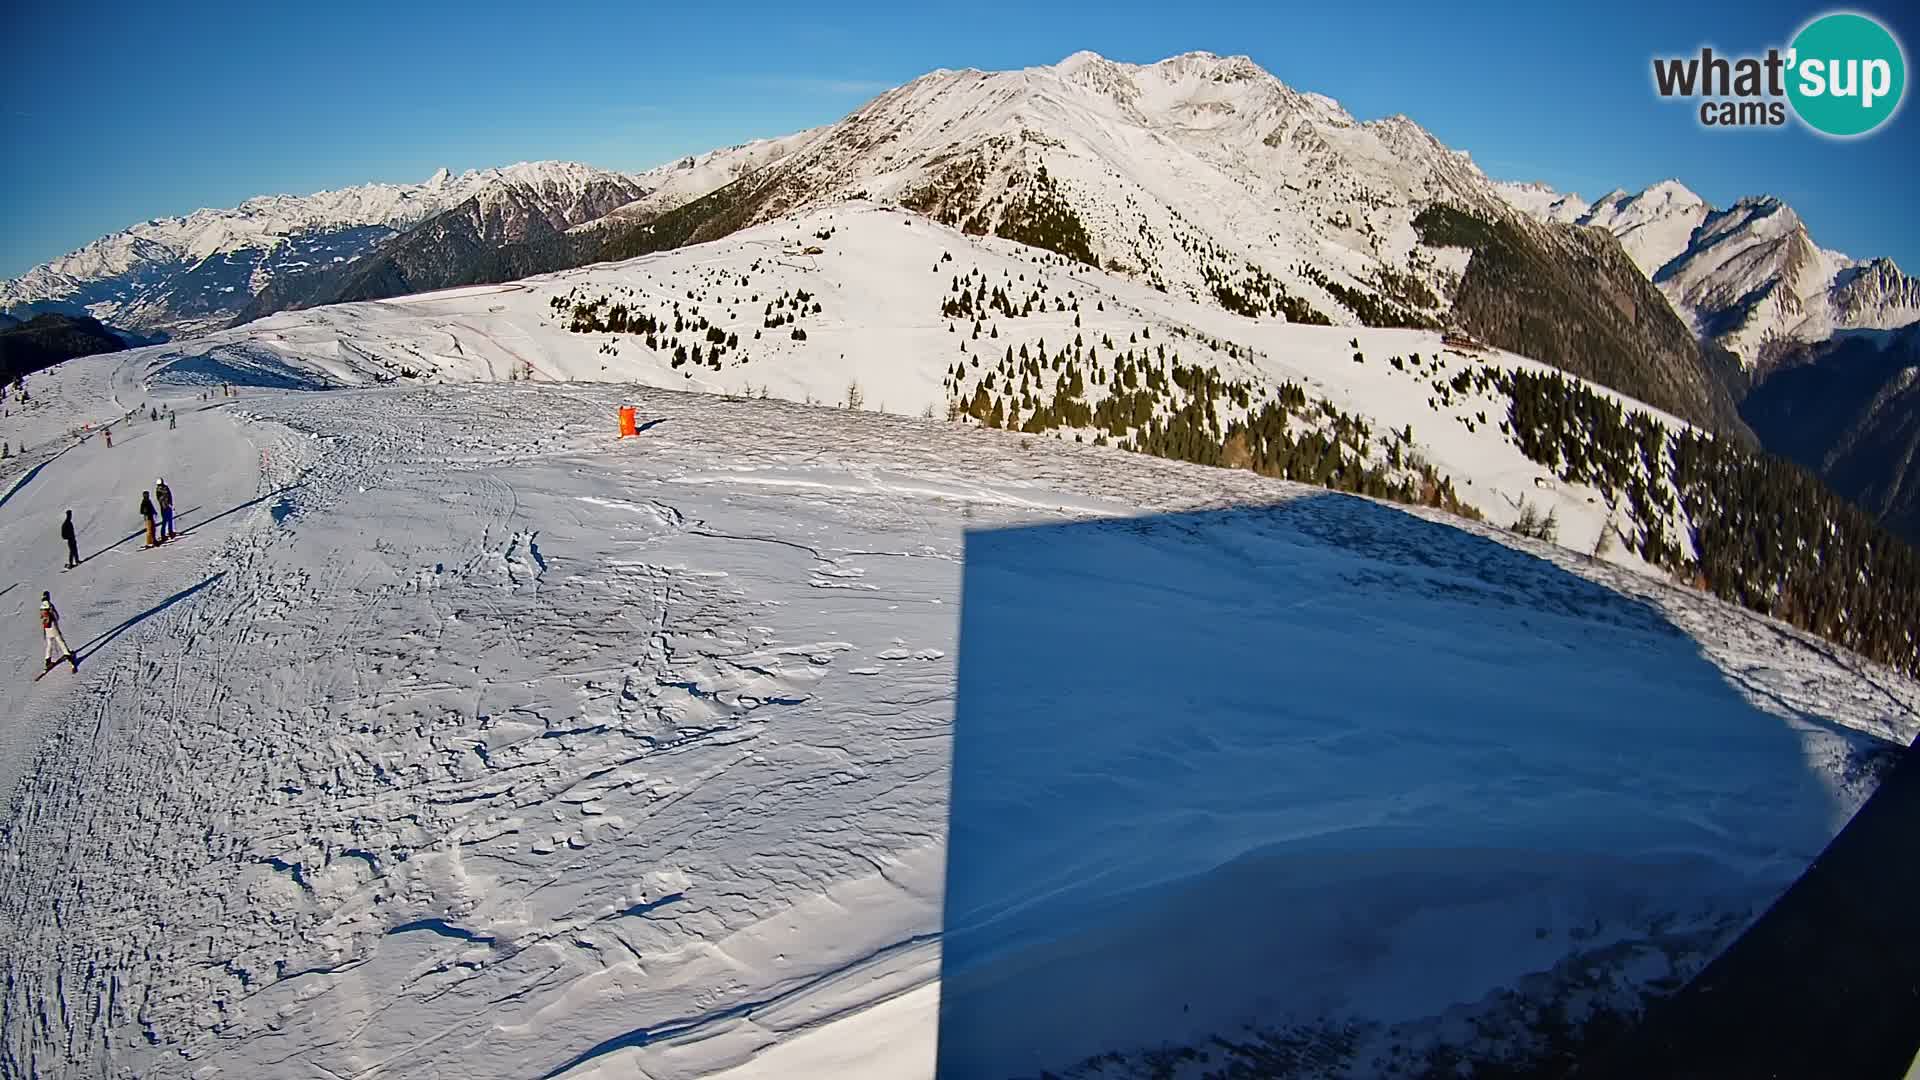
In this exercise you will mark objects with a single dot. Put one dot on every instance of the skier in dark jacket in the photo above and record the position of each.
(147, 512)
(163, 495)
(73, 547)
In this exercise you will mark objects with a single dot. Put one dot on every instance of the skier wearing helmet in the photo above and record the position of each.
(50, 627)
(163, 496)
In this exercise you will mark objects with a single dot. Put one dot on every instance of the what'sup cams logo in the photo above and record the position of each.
(1843, 75)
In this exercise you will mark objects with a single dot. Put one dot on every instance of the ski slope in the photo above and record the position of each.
(880, 277)
(211, 464)
(483, 743)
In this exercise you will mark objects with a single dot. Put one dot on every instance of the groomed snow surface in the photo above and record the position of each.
(459, 738)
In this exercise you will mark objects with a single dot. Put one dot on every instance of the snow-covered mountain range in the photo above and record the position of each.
(184, 275)
(1200, 175)
(1749, 277)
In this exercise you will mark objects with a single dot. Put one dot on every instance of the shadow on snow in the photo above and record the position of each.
(255, 501)
(105, 639)
(1284, 768)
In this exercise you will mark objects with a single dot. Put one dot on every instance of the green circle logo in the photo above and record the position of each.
(1848, 74)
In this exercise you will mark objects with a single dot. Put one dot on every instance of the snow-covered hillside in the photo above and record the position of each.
(677, 183)
(865, 299)
(1746, 277)
(459, 737)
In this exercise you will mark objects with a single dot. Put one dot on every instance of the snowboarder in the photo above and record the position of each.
(163, 495)
(147, 512)
(73, 547)
(154, 415)
(50, 626)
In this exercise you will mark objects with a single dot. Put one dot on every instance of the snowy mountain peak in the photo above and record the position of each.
(1665, 194)
(1202, 172)
(1185, 75)
(439, 178)
(1082, 59)
(1671, 193)
(1097, 73)
(1212, 65)
(1542, 201)
(1747, 276)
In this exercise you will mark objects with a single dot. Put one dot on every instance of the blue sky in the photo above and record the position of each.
(124, 111)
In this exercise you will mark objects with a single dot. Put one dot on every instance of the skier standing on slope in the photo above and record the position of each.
(163, 495)
(107, 433)
(173, 420)
(73, 548)
(147, 512)
(50, 626)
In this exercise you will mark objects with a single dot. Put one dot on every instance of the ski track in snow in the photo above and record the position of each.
(484, 744)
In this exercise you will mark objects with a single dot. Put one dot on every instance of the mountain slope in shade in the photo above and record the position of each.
(1749, 277)
(1849, 409)
(1570, 296)
(49, 338)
